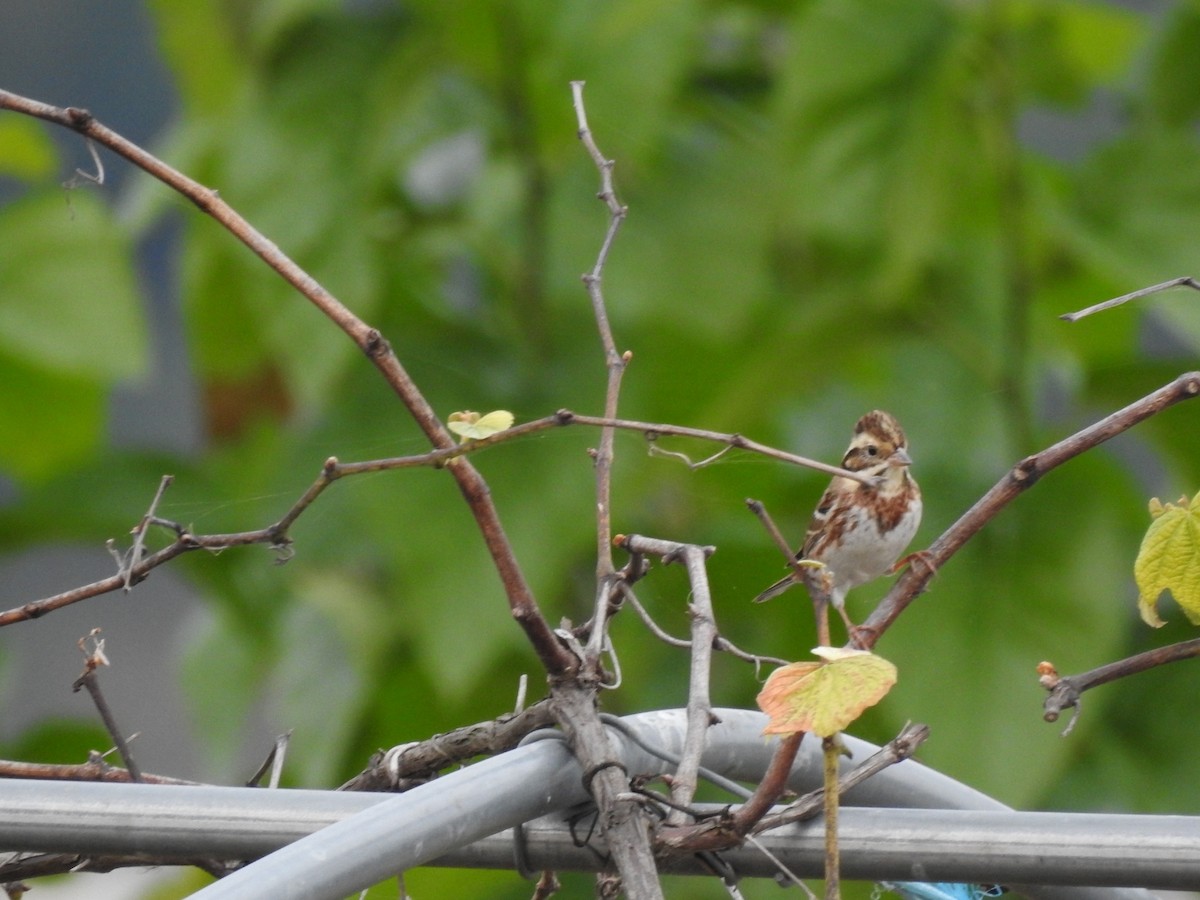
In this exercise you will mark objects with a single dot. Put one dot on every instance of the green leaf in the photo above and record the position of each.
(208, 79)
(1175, 71)
(28, 152)
(68, 299)
(1138, 204)
(1079, 45)
(50, 419)
(1169, 560)
(316, 688)
(221, 670)
(59, 740)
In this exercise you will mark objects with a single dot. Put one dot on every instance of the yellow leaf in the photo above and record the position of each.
(824, 697)
(1169, 560)
(471, 426)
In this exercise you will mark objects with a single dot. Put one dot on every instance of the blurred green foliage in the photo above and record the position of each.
(835, 205)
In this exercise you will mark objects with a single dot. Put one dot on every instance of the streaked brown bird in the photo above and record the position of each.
(858, 531)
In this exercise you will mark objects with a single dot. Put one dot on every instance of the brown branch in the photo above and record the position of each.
(95, 769)
(772, 786)
(184, 543)
(1019, 479)
(276, 534)
(474, 489)
(654, 431)
(898, 749)
(1065, 691)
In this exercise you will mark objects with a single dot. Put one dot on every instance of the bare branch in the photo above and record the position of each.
(615, 362)
(1020, 478)
(1066, 691)
(95, 769)
(749, 818)
(81, 176)
(704, 634)
(474, 489)
(408, 765)
(574, 702)
(898, 749)
(1184, 281)
(92, 647)
(137, 551)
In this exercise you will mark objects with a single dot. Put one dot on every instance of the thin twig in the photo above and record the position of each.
(760, 510)
(656, 450)
(647, 620)
(814, 580)
(574, 700)
(276, 534)
(898, 749)
(137, 551)
(615, 362)
(273, 763)
(98, 179)
(1183, 281)
(95, 769)
(94, 658)
(753, 817)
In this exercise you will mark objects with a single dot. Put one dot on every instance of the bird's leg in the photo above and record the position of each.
(924, 557)
(821, 606)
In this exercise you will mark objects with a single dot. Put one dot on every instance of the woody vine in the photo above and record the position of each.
(574, 659)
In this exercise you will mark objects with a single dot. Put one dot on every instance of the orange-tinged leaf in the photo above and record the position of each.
(824, 697)
(1169, 560)
(471, 426)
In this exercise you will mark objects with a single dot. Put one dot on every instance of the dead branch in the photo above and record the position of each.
(95, 769)
(92, 647)
(408, 765)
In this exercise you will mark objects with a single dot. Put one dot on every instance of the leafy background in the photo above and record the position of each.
(835, 205)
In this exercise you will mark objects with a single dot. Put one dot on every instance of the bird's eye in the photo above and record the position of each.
(872, 450)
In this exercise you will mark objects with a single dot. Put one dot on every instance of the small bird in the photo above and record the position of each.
(858, 530)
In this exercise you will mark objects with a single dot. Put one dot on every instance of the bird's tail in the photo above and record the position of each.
(783, 584)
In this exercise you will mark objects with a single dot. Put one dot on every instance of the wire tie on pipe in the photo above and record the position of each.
(599, 767)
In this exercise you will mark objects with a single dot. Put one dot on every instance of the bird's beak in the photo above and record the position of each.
(900, 458)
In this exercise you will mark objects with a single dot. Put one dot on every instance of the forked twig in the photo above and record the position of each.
(136, 553)
(704, 633)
